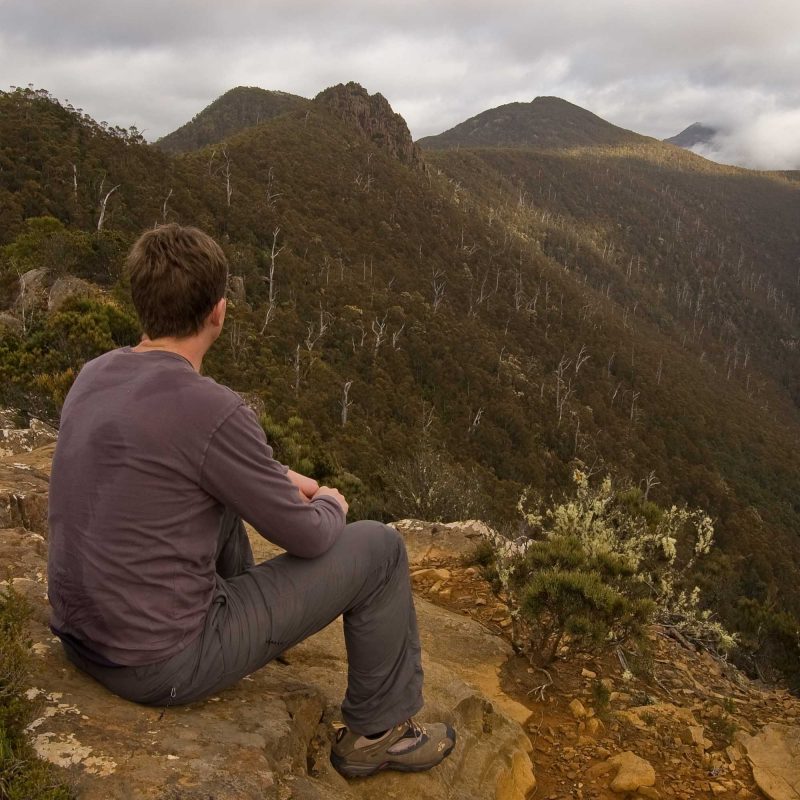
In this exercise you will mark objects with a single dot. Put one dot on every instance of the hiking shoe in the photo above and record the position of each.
(408, 747)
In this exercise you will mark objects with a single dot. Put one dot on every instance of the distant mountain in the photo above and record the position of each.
(236, 110)
(695, 134)
(544, 123)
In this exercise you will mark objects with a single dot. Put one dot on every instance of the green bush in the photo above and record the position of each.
(600, 566)
(23, 775)
(38, 368)
(563, 591)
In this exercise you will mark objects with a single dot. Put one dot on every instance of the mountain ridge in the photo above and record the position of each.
(545, 122)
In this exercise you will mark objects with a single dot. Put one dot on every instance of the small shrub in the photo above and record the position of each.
(601, 699)
(722, 729)
(484, 555)
(635, 549)
(641, 661)
(581, 604)
(427, 484)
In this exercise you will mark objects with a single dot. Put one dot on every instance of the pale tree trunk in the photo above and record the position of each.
(103, 204)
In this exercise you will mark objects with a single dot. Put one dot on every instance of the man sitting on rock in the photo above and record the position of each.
(152, 581)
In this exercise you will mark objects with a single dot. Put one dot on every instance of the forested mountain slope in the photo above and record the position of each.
(234, 111)
(436, 334)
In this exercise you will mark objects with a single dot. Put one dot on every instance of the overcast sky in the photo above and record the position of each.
(654, 66)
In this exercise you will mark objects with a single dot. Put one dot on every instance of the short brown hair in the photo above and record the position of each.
(177, 274)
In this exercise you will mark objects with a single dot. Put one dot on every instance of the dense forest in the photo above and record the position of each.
(436, 331)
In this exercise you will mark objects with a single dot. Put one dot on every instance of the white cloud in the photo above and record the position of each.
(770, 140)
(651, 67)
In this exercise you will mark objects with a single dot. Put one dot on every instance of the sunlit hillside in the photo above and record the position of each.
(435, 331)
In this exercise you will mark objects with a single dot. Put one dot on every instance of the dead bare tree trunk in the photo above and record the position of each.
(563, 387)
(396, 337)
(345, 401)
(164, 207)
(650, 482)
(379, 331)
(438, 283)
(475, 420)
(227, 173)
(275, 251)
(103, 204)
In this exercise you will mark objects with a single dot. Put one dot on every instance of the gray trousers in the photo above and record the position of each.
(260, 610)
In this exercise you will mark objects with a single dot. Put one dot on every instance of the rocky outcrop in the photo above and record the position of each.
(268, 736)
(24, 476)
(17, 439)
(373, 117)
(236, 291)
(10, 323)
(67, 287)
(774, 754)
(33, 282)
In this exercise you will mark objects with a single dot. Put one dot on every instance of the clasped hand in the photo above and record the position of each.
(309, 489)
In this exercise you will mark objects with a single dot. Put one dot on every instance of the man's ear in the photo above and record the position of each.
(217, 315)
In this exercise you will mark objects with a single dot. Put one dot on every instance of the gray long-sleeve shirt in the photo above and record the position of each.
(149, 452)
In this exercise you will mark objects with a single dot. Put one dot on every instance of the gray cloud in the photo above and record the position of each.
(654, 68)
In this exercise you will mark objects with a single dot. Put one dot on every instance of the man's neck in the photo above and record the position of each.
(192, 348)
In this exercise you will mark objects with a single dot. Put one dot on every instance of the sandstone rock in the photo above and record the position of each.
(432, 573)
(437, 544)
(236, 290)
(587, 673)
(577, 709)
(32, 282)
(268, 736)
(697, 737)
(22, 440)
(733, 754)
(24, 483)
(633, 772)
(10, 323)
(774, 754)
(593, 726)
(598, 769)
(65, 288)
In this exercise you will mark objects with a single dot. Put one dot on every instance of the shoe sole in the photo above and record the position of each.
(343, 767)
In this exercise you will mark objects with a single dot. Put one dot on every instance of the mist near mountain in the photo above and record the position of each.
(766, 141)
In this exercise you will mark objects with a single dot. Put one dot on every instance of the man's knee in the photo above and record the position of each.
(383, 540)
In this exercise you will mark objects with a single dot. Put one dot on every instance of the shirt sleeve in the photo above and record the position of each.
(239, 470)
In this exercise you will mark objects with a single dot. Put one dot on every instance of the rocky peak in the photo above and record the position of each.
(694, 135)
(373, 117)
